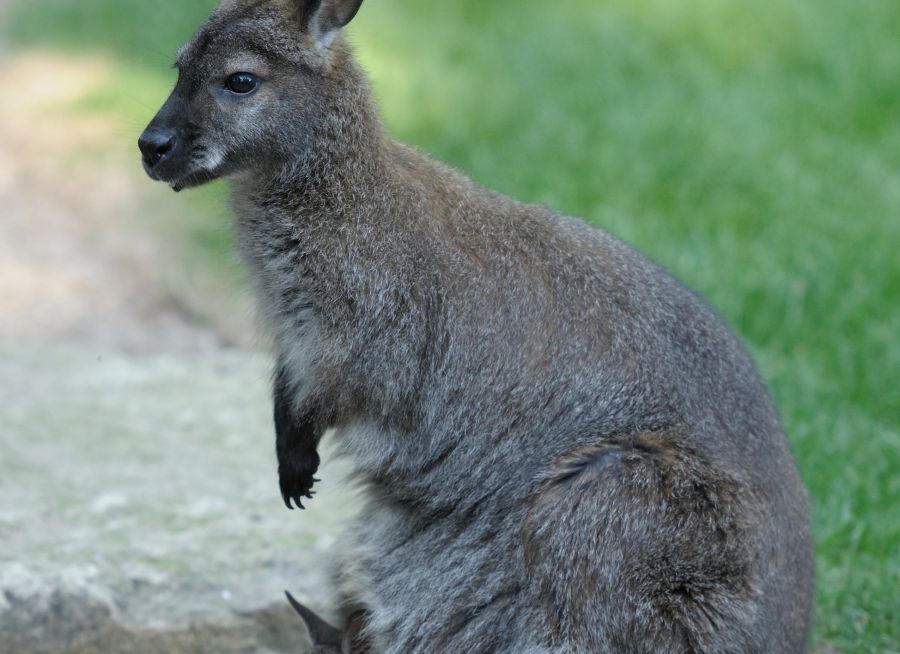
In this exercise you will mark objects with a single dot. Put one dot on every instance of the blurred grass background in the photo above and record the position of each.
(752, 148)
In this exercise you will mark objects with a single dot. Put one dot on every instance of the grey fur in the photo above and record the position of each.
(564, 449)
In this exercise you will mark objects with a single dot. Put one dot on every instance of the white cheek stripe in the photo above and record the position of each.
(214, 159)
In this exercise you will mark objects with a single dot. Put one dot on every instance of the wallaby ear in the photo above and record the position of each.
(323, 18)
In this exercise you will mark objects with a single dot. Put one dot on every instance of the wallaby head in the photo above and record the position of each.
(258, 86)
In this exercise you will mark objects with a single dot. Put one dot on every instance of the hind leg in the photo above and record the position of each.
(638, 545)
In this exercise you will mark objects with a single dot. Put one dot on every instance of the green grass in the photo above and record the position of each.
(752, 148)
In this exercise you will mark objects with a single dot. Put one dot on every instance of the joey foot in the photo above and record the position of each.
(295, 476)
(329, 640)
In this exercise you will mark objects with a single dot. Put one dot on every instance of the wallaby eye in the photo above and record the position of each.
(242, 83)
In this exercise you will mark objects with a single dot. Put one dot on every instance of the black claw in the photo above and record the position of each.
(287, 503)
(316, 481)
(299, 504)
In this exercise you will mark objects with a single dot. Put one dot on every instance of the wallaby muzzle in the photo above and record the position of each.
(156, 144)
(167, 149)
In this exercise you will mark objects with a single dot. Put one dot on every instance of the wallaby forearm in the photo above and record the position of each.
(298, 429)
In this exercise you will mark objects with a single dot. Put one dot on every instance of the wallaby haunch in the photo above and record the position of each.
(564, 448)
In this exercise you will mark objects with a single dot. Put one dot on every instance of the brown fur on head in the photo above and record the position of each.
(250, 93)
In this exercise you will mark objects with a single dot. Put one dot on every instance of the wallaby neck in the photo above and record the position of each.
(327, 229)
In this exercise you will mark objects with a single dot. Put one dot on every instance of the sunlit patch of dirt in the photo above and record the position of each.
(73, 266)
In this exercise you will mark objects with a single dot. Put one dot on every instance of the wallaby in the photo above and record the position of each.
(563, 448)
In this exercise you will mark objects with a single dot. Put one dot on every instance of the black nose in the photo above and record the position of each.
(155, 144)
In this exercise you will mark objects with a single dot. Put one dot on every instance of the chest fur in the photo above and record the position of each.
(283, 288)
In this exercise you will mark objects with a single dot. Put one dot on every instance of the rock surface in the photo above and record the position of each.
(140, 510)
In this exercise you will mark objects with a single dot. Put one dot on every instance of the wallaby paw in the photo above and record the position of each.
(295, 478)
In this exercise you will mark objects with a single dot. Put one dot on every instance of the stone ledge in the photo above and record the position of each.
(141, 510)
